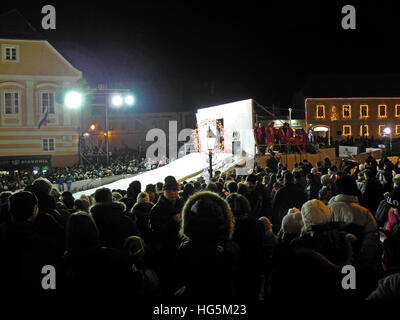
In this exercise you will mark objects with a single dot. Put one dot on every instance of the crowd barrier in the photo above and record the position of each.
(289, 159)
(87, 184)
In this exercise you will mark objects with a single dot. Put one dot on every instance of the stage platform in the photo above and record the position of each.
(288, 160)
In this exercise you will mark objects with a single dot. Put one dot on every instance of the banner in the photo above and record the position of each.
(345, 151)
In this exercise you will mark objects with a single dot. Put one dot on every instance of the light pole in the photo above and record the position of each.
(388, 132)
(73, 100)
(211, 138)
(116, 100)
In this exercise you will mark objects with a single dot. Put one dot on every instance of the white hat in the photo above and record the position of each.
(315, 212)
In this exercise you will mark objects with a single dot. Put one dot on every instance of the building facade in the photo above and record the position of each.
(130, 129)
(340, 118)
(31, 72)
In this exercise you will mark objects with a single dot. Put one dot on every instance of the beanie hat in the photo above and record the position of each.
(238, 204)
(207, 217)
(170, 183)
(292, 222)
(21, 205)
(394, 198)
(315, 212)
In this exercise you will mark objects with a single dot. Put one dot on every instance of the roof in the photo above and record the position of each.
(14, 26)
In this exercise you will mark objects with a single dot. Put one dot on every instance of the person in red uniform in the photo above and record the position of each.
(259, 132)
(270, 134)
(285, 134)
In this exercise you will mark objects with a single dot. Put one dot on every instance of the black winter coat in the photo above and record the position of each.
(285, 198)
(207, 271)
(165, 230)
(141, 214)
(24, 251)
(114, 227)
(102, 272)
(371, 194)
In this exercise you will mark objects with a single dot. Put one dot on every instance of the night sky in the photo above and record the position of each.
(177, 56)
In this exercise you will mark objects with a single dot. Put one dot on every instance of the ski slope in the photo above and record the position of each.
(190, 165)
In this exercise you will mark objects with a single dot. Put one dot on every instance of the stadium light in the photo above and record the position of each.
(116, 100)
(129, 100)
(73, 99)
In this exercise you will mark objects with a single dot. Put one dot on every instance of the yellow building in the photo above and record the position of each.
(31, 70)
(339, 118)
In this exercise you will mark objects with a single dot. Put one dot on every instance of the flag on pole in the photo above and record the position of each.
(44, 119)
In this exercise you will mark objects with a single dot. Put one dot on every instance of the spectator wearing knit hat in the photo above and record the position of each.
(208, 258)
(315, 212)
(292, 225)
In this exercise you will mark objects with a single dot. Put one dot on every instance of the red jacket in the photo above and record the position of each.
(270, 134)
(259, 132)
(285, 138)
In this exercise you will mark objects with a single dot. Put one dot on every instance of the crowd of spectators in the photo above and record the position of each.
(271, 235)
(122, 161)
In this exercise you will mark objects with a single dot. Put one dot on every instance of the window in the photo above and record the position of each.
(397, 129)
(364, 111)
(380, 129)
(364, 130)
(10, 53)
(11, 102)
(48, 144)
(346, 111)
(47, 101)
(347, 130)
(382, 111)
(320, 111)
(397, 110)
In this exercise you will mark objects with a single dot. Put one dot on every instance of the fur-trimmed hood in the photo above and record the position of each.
(108, 207)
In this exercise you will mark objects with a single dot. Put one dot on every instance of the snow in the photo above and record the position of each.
(191, 164)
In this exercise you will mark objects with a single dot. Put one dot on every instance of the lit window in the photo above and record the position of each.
(47, 101)
(347, 130)
(11, 102)
(382, 111)
(364, 130)
(364, 111)
(397, 107)
(397, 129)
(346, 111)
(380, 129)
(320, 111)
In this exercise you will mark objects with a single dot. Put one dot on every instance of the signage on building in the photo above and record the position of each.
(346, 151)
(24, 162)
